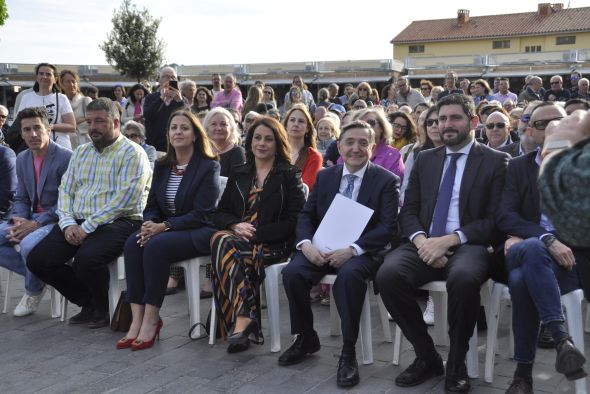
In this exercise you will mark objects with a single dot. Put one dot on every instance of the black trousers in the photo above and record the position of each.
(349, 289)
(86, 281)
(403, 272)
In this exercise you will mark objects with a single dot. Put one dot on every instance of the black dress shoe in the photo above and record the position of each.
(302, 346)
(457, 381)
(520, 386)
(83, 317)
(420, 371)
(545, 340)
(251, 333)
(570, 360)
(348, 371)
(98, 319)
(238, 347)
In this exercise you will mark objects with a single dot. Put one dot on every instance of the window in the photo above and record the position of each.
(533, 48)
(416, 48)
(565, 40)
(501, 44)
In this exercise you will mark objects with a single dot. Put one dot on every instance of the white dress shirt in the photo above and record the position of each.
(453, 221)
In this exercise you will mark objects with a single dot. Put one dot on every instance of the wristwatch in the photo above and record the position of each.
(354, 251)
(548, 240)
(167, 225)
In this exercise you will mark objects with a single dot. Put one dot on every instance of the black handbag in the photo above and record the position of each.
(122, 317)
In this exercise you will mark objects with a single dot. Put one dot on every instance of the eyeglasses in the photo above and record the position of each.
(542, 124)
(431, 122)
(372, 122)
(555, 83)
(42, 74)
(365, 89)
(499, 125)
(399, 126)
(525, 118)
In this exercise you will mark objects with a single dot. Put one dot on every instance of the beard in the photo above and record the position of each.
(458, 139)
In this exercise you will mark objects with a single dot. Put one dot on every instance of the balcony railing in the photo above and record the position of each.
(491, 60)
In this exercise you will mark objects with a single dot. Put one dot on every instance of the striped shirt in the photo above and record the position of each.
(102, 187)
(172, 188)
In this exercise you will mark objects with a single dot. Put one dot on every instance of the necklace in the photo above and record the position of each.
(179, 170)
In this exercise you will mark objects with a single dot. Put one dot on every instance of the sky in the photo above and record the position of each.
(199, 32)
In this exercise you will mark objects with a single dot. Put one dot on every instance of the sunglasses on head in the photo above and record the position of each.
(372, 122)
(499, 125)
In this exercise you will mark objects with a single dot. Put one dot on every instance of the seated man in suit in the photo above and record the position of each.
(100, 203)
(540, 267)
(449, 223)
(39, 170)
(371, 186)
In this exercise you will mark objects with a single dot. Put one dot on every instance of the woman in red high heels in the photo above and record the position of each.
(184, 189)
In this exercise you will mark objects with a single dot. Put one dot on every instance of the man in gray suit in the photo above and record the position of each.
(39, 170)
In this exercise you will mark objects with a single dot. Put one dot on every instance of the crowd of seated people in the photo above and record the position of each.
(450, 175)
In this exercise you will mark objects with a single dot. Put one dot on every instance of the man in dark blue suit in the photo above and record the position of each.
(371, 186)
(448, 221)
(540, 267)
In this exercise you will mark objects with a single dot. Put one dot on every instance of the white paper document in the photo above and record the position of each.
(343, 223)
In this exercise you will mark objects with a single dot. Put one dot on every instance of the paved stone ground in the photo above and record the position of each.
(43, 355)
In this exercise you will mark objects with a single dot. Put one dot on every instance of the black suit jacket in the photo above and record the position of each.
(481, 188)
(194, 200)
(156, 114)
(512, 149)
(520, 213)
(379, 191)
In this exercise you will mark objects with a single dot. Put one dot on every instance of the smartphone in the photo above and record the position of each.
(173, 84)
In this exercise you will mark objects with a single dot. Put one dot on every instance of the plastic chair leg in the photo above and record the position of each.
(55, 303)
(472, 359)
(7, 292)
(271, 286)
(193, 286)
(365, 331)
(212, 323)
(384, 320)
(492, 334)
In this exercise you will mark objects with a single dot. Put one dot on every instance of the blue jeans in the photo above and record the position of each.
(536, 282)
(15, 261)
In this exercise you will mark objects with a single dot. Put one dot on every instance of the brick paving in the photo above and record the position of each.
(43, 355)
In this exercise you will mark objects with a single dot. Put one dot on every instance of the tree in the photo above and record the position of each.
(3, 12)
(132, 47)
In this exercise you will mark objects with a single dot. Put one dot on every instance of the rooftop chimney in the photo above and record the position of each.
(462, 17)
(545, 9)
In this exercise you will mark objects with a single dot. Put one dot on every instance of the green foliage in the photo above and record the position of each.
(132, 47)
(3, 12)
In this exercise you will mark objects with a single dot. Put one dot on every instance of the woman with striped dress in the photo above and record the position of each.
(256, 217)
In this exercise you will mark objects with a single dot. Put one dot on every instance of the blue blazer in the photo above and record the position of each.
(194, 200)
(7, 180)
(520, 213)
(379, 191)
(55, 164)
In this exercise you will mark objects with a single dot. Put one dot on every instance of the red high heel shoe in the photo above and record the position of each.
(140, 345)
(125, 343)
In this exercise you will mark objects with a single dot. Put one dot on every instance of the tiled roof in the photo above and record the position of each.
(491, 26)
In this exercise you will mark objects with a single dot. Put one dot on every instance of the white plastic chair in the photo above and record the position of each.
(54, 294)
(116, 274)
(500, 294)
(438, 292)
